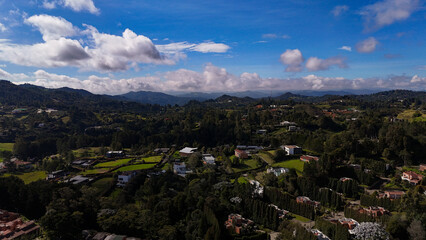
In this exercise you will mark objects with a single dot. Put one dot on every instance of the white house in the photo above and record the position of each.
(187, 151)
(180, 169)
(292, 149)
(208, 159)
(125, 177)
(277, 171)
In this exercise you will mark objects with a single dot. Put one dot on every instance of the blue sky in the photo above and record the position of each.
(119, 46)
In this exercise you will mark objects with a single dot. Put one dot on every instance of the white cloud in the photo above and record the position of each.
(52, 27)
(274, 36)
(317, 64)
(75, 5)
(12, 77)
(386, 12)
(346, 48)
(216, 79)
(293, 59)
(2, 27)
(338, 10)
(206, 47)
(49, 5)
(81, 5)
(367, 46)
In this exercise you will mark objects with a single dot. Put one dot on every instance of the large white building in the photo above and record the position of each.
(292, 149)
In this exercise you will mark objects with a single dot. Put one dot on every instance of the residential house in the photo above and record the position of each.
(125, 177)
(56, 174)
(277, 171)
(412, 177)
(261, 131)
(22, 165)
(78, 180)
(161, 150)
(180, 169)
(238, 224)
(374, 211)
(115, 154)
(14, 227)
(308, 158)
(292, 149)
(187, 151)
(349, 223)
(287, 123)
(208, 159)
(241, 154)
(393, 194)
(293, 128)
(306, 200)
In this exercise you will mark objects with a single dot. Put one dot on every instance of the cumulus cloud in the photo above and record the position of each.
(12, 77)
(52, 27)
(2, 27)
(317, 64)
(212, 79)
(387, 12)
(274, 36)
(338, 10)
(75, 5)
(346, 48)
(367, 46)
(293, 58)
(206, 47)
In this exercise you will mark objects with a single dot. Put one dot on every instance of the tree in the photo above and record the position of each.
(370, 231)
(416, 230)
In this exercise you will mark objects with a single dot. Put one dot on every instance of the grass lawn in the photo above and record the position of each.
(408, 115)
(240, 180)
(103, 184)
(266, 157)
(300, 218)
(280, 131)
(152, 159)
(89, 152)
(29, 177)
(166, 167)
(95, 171)
(295, 164)
(247, 165)
(112, 164)
(6, 147)
(135, 167)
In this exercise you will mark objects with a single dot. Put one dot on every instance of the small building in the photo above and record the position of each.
(306, 200)
(412, 177)
(374, 211)
(238, 224)
(320, 235)
(180, 169)
(115, 154)
(393, 194)
(56, 174)
(241, 154)
(344, 179)
(208, 159)
(287, 123)
(161, 150)
(187, 151)
(308, 158)
(293, 128)
(292, 149)
(277, 171)
(14, 227)
(422, 167)
(125, 177)
(78, 180)
(261, 131)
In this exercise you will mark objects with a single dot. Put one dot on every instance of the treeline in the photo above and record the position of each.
(349, 188)
(287, 202)
(332, 230)
(364, 217)
(372, 200)
(260, 212)
(327, 197)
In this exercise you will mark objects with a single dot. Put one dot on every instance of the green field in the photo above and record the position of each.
(29, 177)
(112, 164)
(240, 180)
(135, 167)
(95, 171)
(166, 166)
(300, 218)
(266, 157)
(87, 152)
(248, 164)
(6, 147)
(294, 164)
(103, 184)
(153, 159)
(408, 115)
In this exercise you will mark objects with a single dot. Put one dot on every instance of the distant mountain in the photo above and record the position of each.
(156, 98)
(312, 93)
(205, 96)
